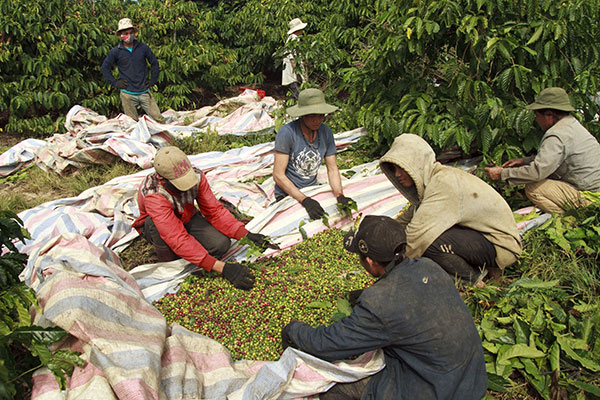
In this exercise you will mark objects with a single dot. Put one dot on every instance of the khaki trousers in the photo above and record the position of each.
(130, 102)
(554, 196)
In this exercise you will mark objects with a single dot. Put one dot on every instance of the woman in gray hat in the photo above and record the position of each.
(567, 161)
(300, 147)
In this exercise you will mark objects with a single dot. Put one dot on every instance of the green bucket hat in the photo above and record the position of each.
(554, 98)
(311, 101)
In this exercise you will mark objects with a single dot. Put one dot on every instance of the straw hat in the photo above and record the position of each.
(554, 98)
(311, 101)
(125, 23)
(295, 25)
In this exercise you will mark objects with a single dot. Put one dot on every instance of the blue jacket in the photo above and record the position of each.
(132, 66)
(415, 314)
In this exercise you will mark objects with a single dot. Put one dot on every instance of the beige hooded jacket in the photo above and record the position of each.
(445, 196)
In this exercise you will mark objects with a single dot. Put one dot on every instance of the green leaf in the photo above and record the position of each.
(554, 357)
(497, 383)
(586, 363)
(320, 304)
(532, 283)
(592, 389)
(536, 35)
(517, 350)
(343, 306)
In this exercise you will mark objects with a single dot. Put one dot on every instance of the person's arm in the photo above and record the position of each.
(358, 333)
(154, 68)
(107, 66)
(281, 179)
(333, 175)
(549, 157)
(216, 214)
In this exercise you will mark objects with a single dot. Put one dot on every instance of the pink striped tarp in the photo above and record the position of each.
(93, 139)
(131, 352)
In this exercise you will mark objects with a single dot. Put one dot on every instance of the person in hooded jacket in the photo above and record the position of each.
(454, 218)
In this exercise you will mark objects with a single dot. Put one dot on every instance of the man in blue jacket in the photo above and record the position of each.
(413, 312)
(131, 58)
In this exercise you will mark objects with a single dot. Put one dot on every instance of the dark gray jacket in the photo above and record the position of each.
(415, 314)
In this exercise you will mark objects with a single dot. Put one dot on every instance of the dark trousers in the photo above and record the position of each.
(346, 391)
(294, 88)
(462, 252)
(209, 237)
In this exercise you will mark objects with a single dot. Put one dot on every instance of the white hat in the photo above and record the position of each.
(295, 25)
(125, 23)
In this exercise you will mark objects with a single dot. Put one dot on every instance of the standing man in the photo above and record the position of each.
(413, 312)
(170, 220)
(568, 159)
(300, 147)
(289, 77)
(454, 218)
(131, 58)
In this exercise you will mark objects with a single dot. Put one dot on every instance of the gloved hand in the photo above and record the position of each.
(262, 240)
(344, 200)
(286, 340)
(353, 296)
(314, 209)
(147, 85)
(122, 84)
(239, 275)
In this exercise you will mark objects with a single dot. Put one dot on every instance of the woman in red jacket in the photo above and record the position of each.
(170, 220)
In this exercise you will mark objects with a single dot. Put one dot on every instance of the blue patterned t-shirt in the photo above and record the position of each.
(305, 157)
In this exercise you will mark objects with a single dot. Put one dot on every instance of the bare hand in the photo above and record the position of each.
(515, 162)
(493, 172)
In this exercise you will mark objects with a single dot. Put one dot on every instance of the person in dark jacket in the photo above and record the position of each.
(413, 313)
(132, 58)
(170, 220)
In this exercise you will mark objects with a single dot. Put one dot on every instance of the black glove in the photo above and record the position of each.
(286, 340)
(353, 296)
(148, 85)
(314, 209)
(262, 240)
(121, 84)
(238, 275)
(344, 200)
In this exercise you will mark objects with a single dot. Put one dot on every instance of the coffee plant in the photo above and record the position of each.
(457, 72)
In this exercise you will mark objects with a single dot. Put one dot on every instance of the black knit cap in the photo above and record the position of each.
(377, 237)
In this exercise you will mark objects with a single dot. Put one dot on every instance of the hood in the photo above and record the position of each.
(414, 155)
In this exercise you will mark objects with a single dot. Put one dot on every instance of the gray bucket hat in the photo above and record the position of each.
(311, 101)
(554, 98)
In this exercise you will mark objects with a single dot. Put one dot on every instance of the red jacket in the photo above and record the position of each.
(170, 212)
